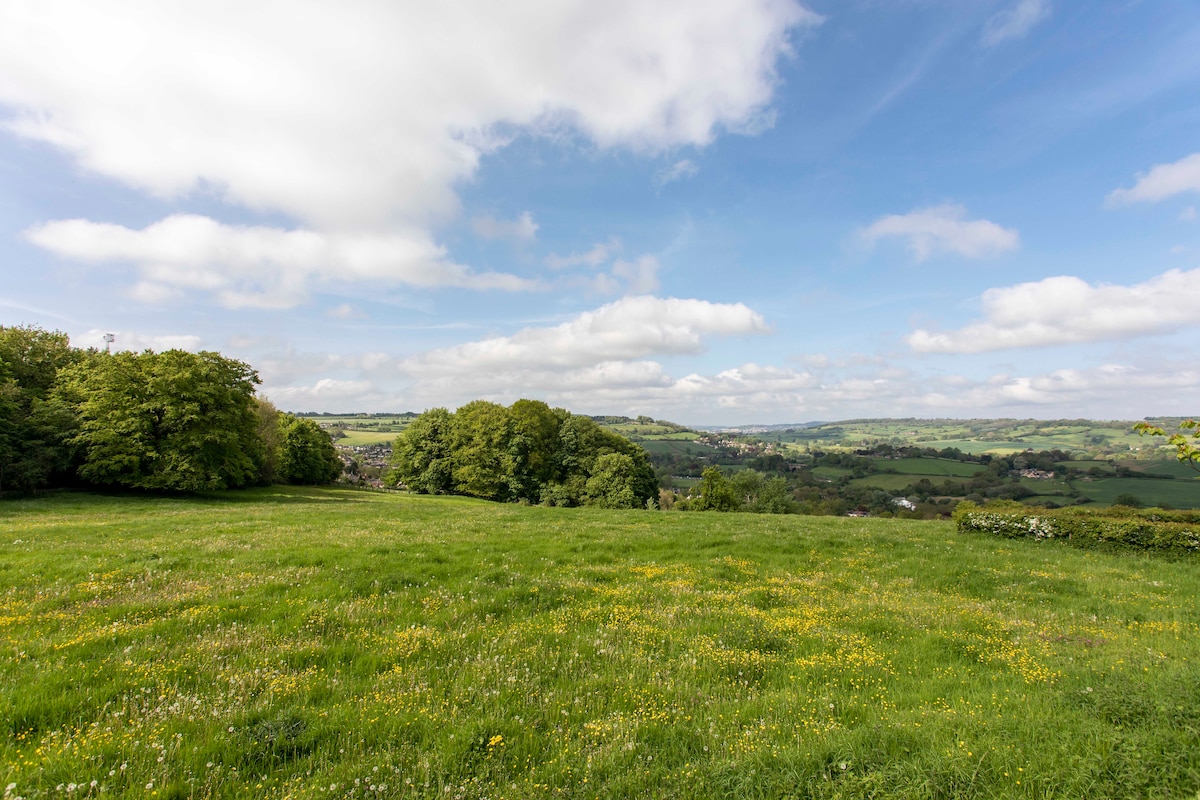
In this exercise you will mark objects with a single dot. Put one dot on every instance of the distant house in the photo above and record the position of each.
(905, 503)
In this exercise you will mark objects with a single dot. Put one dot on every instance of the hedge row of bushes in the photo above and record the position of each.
(1154, 530)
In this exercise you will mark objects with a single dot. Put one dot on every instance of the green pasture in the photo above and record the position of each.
(979, 447)
(1170, 466)
(359, 438)
(1177, 493)
(1084, 466)
(830, 473)
(311, 643)
(929, 467)
(679, 447)
(886, 481)
(1000, 437)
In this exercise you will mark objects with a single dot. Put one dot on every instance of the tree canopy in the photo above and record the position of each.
(171, 421)
(525, 452)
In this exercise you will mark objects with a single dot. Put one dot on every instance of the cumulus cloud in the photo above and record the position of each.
(1161, 182)
(680, 170)
(361, 113)
(521, 229)
(327, 394)
(1067, 310)
(252, 266)
(1015, 21)
(944, 229)
(628, 329)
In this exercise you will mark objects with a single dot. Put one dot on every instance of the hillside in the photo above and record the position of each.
(1094, 461)
(338, 643)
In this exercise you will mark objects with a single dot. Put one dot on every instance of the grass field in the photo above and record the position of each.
(687, 449)
(328, 643)
(1176, 493)
(357, 438)
(929, 467)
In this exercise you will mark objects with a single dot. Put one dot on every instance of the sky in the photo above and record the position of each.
(716, 212)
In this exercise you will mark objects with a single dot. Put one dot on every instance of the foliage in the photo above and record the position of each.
(328, 643)
(1186, 440)
(421, 456)
(526, 452)
(306, 453)
(35, 428)
(174, 421)
(612, 482)
(715, 493)
(1156, 530)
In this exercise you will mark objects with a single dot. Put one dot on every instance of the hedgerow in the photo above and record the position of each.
(1156, 530)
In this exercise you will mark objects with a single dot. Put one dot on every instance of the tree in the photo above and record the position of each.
(533, 448)
(775, 497)
(306, 453)
(480, 436)
(421, 457)
(174, 421)
(268, 432)
(35, 428)
(1128, 500)
(1186, 440)
(715, 492)
(612, 484)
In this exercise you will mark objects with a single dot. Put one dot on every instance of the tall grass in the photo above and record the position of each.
(326, 643)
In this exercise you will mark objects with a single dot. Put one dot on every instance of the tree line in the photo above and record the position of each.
(172, 421)
(526, 452)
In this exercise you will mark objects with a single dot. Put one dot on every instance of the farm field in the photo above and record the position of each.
(358, 438)
(930, 467)
(1172, 493)
(997, 436)
(330, 643)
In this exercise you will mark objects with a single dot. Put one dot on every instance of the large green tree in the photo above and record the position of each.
(480, 436)
(422, 456)
(173, 421)
(715, 492)
(306, 453)
(35, 427)
(532, 449)
(527, 452)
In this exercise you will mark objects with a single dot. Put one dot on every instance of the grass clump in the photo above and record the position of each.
(330, 643)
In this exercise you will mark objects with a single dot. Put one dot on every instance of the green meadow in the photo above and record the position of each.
(325, 643)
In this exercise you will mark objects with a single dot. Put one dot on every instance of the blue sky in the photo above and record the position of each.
(711, 211)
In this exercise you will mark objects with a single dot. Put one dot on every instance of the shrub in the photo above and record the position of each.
(1153, 529)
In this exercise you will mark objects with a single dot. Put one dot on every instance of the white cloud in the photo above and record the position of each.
(363, 113)
(1015, 21)
(1161, 182)
(522, 229)
(346, 311)
(944, 229)
(244, 266)
(1067, 310)
(684, 168)
(630, 328)
(640, 275)
(327, 394)
(599, 254)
